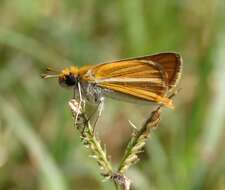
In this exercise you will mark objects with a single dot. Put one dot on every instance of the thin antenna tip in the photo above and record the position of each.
(49, 69)
(46, 76)
(53, 73)
(43, 76)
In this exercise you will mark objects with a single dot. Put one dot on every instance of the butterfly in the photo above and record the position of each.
(149, 79)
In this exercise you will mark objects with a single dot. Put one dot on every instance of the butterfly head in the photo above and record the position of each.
(68, 77)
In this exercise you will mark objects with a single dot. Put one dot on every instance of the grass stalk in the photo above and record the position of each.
(134, 147)
(138, 141)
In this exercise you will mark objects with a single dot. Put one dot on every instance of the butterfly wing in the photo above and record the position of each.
(147, 78)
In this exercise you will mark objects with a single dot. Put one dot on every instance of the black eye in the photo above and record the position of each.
(70, 80)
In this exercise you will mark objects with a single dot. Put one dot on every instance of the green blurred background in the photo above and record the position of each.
(39, 147)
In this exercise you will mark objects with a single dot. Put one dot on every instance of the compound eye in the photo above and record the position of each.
(70, 80)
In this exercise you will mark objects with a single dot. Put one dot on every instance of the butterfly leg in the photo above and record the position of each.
(99, 110)
(81, 103)
(94, 116)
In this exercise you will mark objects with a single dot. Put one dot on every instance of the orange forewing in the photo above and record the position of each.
(148, 78)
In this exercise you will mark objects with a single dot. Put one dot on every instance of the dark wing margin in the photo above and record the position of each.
(172, 64)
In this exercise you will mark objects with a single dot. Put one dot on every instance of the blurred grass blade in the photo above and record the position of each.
(135, 25)
(215, 120)
(214, 124)
(32, 47)
(24, 132)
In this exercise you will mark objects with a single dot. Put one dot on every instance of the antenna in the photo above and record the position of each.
(46, 76)
(54, 73)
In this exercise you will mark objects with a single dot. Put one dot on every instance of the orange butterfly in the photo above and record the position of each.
(147, 79)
